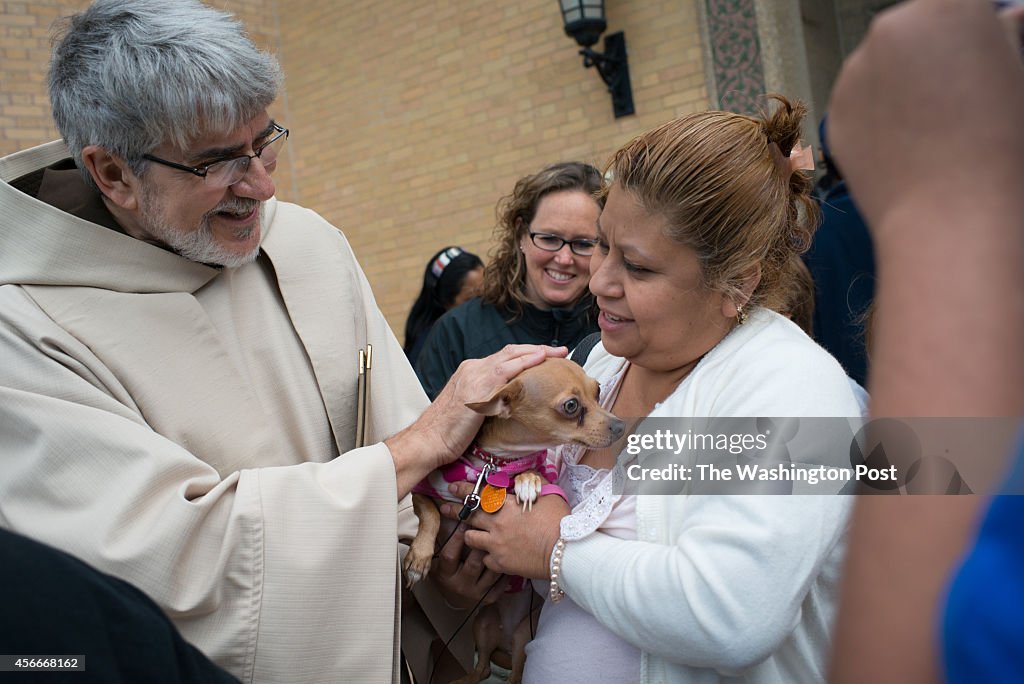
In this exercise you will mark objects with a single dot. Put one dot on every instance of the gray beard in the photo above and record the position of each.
(198, 245)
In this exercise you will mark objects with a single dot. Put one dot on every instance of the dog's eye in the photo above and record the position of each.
(571, 406)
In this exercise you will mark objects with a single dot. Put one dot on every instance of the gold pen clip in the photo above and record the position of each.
(361, 400)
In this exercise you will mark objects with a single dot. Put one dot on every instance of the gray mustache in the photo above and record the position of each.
(237, 206)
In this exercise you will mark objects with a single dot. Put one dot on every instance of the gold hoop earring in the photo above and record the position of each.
(741, 316)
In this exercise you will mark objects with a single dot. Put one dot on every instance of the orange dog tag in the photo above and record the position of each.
(492, 498)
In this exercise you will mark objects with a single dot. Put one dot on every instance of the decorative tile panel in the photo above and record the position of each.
(736, 55)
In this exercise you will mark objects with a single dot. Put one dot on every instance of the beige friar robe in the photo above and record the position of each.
(191, 430)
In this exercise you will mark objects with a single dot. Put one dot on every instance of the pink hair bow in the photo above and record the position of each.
(800, 159)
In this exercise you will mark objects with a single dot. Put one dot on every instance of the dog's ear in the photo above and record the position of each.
(501, 400)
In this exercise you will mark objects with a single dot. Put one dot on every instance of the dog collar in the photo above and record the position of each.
(509, 467)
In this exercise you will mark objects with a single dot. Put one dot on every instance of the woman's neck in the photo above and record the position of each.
(640, 391)
(646, 388)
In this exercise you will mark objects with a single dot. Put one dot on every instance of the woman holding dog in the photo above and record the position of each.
(535, 285)
(695, 245)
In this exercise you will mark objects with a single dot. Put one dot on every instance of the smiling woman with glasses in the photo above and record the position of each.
(535, 287)
(226, 172)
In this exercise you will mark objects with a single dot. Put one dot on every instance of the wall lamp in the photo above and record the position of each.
(584, 21)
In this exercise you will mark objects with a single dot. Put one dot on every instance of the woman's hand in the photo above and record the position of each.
(515, 542)
(462, 578)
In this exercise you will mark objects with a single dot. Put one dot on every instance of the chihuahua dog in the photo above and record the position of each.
(545, 406)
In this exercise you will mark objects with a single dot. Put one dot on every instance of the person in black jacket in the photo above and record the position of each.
(535, 285)
(62, 612)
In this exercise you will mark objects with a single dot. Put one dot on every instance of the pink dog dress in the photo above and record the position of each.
(467, 468)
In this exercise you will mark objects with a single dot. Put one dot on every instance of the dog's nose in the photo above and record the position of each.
(616, 427)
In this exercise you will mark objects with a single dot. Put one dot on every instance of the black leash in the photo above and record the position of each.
(471, 503)
(433, 665)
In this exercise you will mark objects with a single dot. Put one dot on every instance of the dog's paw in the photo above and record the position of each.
(416, 567)
(528, 486)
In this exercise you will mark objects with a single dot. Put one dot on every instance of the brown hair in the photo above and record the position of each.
(505, 274)
(715, 177)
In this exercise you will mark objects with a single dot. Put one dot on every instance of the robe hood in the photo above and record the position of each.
(63, 249)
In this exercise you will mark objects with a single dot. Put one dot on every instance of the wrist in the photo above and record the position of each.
(411, 459)
(452, 599)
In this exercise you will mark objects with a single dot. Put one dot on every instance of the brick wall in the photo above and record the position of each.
(413, 118)
(24, 53)
(410, 119)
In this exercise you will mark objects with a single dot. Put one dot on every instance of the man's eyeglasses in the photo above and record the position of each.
(227, 172)
(553, 243)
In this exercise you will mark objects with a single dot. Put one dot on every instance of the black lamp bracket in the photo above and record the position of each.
(613, 67)
(607, 66)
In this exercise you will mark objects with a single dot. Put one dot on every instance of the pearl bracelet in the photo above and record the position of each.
(555, 592)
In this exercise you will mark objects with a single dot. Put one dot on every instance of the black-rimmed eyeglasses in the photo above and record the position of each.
(553, 243)
(226, 172)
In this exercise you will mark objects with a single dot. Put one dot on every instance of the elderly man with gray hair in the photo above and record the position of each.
(178, 358)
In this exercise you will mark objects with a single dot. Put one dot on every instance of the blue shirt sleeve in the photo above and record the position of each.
(982, 627)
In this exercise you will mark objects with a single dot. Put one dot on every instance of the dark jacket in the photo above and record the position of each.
(842, 264)
(55, 605)
(474, 330)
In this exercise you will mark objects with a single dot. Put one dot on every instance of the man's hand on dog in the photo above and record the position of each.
(447, 426)
(515, 542)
